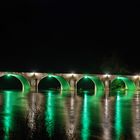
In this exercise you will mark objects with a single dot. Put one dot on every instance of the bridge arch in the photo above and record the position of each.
(99, 86)
(25, 83)
(128, 83)
(63, 82)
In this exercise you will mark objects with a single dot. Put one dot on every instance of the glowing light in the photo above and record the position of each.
(72, 74)
(64, 83)
(118, 119)
(107, 75)
(37, 74)
(32, 73)
(136, 76)
(85, 119)
(7, 121)
(129, 84)
(86, 76)
(49, 76)
(49, 115)
(118, 97)
(8, 75)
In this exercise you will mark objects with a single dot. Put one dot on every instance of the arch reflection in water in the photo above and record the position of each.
(85, 117)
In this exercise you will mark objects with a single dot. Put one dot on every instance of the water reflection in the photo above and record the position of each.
(71, 116)
(118, 119)
(85, 119)
(71, 108)
(8, 100)
(136, 114)
(106, 118)
(7, 110)
(49, 114)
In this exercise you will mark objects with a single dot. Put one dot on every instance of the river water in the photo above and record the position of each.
(57, 115)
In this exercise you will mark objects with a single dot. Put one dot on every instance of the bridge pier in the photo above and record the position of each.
(72, 83)
(34, 85)
(138, 84)
(107, 84)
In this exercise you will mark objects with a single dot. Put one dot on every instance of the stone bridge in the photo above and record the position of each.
(68, 81)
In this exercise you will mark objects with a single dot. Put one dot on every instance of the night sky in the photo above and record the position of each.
(70, 36)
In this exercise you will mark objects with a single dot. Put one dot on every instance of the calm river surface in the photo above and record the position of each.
(69, 116)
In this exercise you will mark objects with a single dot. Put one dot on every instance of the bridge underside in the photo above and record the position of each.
(128, 83)
(22, 79)
(64, 83)
(99, 86)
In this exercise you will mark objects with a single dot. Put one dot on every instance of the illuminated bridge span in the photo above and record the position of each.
(68, 81)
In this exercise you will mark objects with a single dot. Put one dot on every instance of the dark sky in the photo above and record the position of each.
(65, 36)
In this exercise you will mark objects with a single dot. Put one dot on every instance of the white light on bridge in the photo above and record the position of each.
(85, 76)
(8, 75)
(136, 76)
(72, 74)
(32, 74)
(107, 75)
(49, 76)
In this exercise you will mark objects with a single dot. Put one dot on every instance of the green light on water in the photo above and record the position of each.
(118, 119)
(49, 115)
(85, 119)
(7, 120)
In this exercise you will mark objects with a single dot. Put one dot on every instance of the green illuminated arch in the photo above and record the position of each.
(99, 86)
(63, 82)
(129, 84)
(25, 83)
